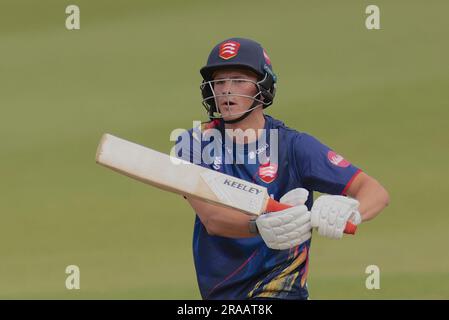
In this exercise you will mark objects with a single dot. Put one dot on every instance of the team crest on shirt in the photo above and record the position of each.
(228, 49)
(337, 159)
(268, 172)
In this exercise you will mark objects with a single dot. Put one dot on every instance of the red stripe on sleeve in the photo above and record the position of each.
(350, 182)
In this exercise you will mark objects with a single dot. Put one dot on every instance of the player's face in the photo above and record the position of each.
(234, 89)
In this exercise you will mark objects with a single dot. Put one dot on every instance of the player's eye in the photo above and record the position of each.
(242, 81)
(219, 82)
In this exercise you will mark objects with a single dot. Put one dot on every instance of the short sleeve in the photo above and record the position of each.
(321, 168)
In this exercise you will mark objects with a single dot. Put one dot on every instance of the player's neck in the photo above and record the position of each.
(255, 121)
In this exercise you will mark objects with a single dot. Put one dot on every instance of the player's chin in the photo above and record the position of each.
(229, 117)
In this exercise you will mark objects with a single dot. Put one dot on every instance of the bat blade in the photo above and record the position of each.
(179, 176)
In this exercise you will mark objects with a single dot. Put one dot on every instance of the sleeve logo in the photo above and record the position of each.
(337, 159)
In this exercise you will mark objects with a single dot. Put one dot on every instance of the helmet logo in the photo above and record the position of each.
(267, 58)
(228, 50)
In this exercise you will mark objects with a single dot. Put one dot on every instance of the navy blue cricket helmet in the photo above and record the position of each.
(239, 53)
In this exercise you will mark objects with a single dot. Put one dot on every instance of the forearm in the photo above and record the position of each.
(221, 221)
(373, 198)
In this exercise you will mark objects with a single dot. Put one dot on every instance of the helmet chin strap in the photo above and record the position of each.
(243, 116)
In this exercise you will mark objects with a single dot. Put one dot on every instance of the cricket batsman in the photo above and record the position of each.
(238, 256)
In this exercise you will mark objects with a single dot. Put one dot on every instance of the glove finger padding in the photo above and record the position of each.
(275, 219)
(285, 229)
(330, 214)
(297, 241)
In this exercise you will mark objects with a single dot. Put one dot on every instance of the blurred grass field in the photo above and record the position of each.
(380, 98)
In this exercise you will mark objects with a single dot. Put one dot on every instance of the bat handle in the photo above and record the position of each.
(273, 206)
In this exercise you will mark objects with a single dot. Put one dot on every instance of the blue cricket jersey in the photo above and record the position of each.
(246, 268)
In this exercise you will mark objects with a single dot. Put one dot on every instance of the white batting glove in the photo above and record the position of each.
(295, 197)
(330, 213)
(287, 228)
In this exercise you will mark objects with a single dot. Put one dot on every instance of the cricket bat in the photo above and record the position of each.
(185, 178)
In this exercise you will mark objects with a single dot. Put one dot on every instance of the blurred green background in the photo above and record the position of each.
(379, 97)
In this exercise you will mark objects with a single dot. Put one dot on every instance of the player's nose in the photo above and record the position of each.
(225, 87)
